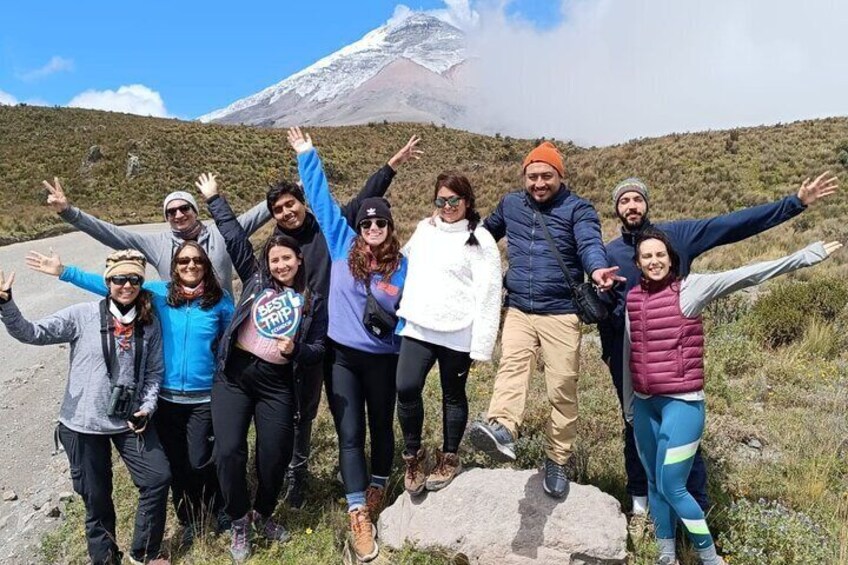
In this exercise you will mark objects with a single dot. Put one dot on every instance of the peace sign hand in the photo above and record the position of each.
(56, 198)
(6, 286)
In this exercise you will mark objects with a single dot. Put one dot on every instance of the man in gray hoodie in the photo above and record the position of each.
(180, 209)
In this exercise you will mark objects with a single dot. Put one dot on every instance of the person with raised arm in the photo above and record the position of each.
(367, 276)
(112, 390)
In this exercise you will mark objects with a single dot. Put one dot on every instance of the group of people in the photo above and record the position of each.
(173, 372)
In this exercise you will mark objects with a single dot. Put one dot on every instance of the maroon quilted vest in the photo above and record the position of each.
(667, 348)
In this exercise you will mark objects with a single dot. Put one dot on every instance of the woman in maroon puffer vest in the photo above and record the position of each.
(666, 346)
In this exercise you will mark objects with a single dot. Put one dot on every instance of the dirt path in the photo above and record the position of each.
(32, 382)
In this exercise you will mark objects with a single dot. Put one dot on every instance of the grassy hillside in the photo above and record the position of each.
(777, 434)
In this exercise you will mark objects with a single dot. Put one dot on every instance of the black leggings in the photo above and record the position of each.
(416, 360)
(363, 381)
(252, 389)
(185, 431)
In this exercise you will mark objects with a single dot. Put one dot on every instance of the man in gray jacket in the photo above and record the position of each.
(181, 211)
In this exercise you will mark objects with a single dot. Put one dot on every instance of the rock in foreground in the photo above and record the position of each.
(502, 516)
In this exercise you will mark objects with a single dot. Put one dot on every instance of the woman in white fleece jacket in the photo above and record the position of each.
(451, 307)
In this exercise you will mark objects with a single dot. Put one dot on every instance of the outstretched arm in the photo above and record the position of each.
(699, 290)
(333, 224)
(235, 236)
(104, 232)
(56, 328)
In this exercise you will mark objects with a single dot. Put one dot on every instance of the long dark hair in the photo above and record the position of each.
(659, 235)
(212, 291)
(299, 283)
(386, 256)
(460, 185)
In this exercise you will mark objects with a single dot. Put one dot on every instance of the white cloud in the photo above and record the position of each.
(458, 13)
(55, 65)
(614, 70)
(132, 99)
(7, 99)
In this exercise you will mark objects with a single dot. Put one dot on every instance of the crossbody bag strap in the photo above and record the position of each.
(106, 328)
(138, 347)
(554, 250)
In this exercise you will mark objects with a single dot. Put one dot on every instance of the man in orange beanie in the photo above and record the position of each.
(541, 314)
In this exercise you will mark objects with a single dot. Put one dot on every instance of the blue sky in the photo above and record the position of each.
(198, 56)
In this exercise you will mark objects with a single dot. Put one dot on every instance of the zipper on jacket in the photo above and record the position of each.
(532, 244)
(185, 345)
(644, 316)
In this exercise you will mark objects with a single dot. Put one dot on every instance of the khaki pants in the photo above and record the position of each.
(558, 336)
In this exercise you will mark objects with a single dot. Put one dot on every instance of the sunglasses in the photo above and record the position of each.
(121, 280)
(186, 260)
(171, 212)
(453, 201)
(366, 224)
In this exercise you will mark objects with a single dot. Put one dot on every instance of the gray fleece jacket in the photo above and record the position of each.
(88, 388)
(159, 248)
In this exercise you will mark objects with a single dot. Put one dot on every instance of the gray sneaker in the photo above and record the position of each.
(556, 482)
(493, 439)
(240, 544)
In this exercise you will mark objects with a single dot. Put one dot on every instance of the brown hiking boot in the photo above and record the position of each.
(416, 475)
(374, 501)
(447, 467)
(362, 535)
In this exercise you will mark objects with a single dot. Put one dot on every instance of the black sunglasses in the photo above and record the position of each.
(453, 201)
(186, 260)
(121, 280)
(366, 224)
(171, 212)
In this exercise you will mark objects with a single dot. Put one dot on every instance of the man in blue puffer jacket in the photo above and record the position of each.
(540, 309)
(690, 239)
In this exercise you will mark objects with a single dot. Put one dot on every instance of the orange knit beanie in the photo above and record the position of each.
(546, 153)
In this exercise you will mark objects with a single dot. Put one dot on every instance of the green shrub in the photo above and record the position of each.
(768, 532)
(782, 316)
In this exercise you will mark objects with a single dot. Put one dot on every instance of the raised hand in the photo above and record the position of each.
(407, 152)
(605, 278)
(47, 264)
(207, 184)
(831, 246)
(56, 198)
(6, 286)
(824, 185)
(299, 142)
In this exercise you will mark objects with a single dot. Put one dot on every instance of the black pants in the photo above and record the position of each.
(612, 341)
(252, 389)
(363, 382)
(90, 458)
(309, 394)
(416, 360)
(185, 431)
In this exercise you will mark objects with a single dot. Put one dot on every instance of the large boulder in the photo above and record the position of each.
(502, 516)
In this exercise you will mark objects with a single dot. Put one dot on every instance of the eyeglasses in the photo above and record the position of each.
(366, 224)
(171, 212)
(121, 280)
(453, 201)
(186, 260)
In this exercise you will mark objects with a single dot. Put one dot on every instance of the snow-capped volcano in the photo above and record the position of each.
(406, 70)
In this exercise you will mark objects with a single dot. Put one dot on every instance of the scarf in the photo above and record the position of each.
(191, 234)
(124, 323)
(190, 293)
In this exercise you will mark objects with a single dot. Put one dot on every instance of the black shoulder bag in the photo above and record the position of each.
(379, 323)
(590, 308)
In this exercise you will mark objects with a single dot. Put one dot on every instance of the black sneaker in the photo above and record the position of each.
(556, 482)
(223, 522)
(493, 439)
(295, 495)
(188, 535)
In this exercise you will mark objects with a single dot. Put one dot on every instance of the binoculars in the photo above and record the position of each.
(121, 402)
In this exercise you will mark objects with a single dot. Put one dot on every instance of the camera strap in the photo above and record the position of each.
(107, 327)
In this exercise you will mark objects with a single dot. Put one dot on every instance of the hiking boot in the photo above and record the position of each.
(362, 534)
(374, 499)
(556, 483)
(447, 467)
(415, 477)
(269, 528)
(240, 544)
(639, 527)
(223, 522)
(493, 439)
(296, 487)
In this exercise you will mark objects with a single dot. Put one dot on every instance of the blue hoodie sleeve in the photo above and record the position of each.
(587, 234)
(333, 224)
(87, 281)
(699, 236)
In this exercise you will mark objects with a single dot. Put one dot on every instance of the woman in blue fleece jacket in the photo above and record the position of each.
(193, 311)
